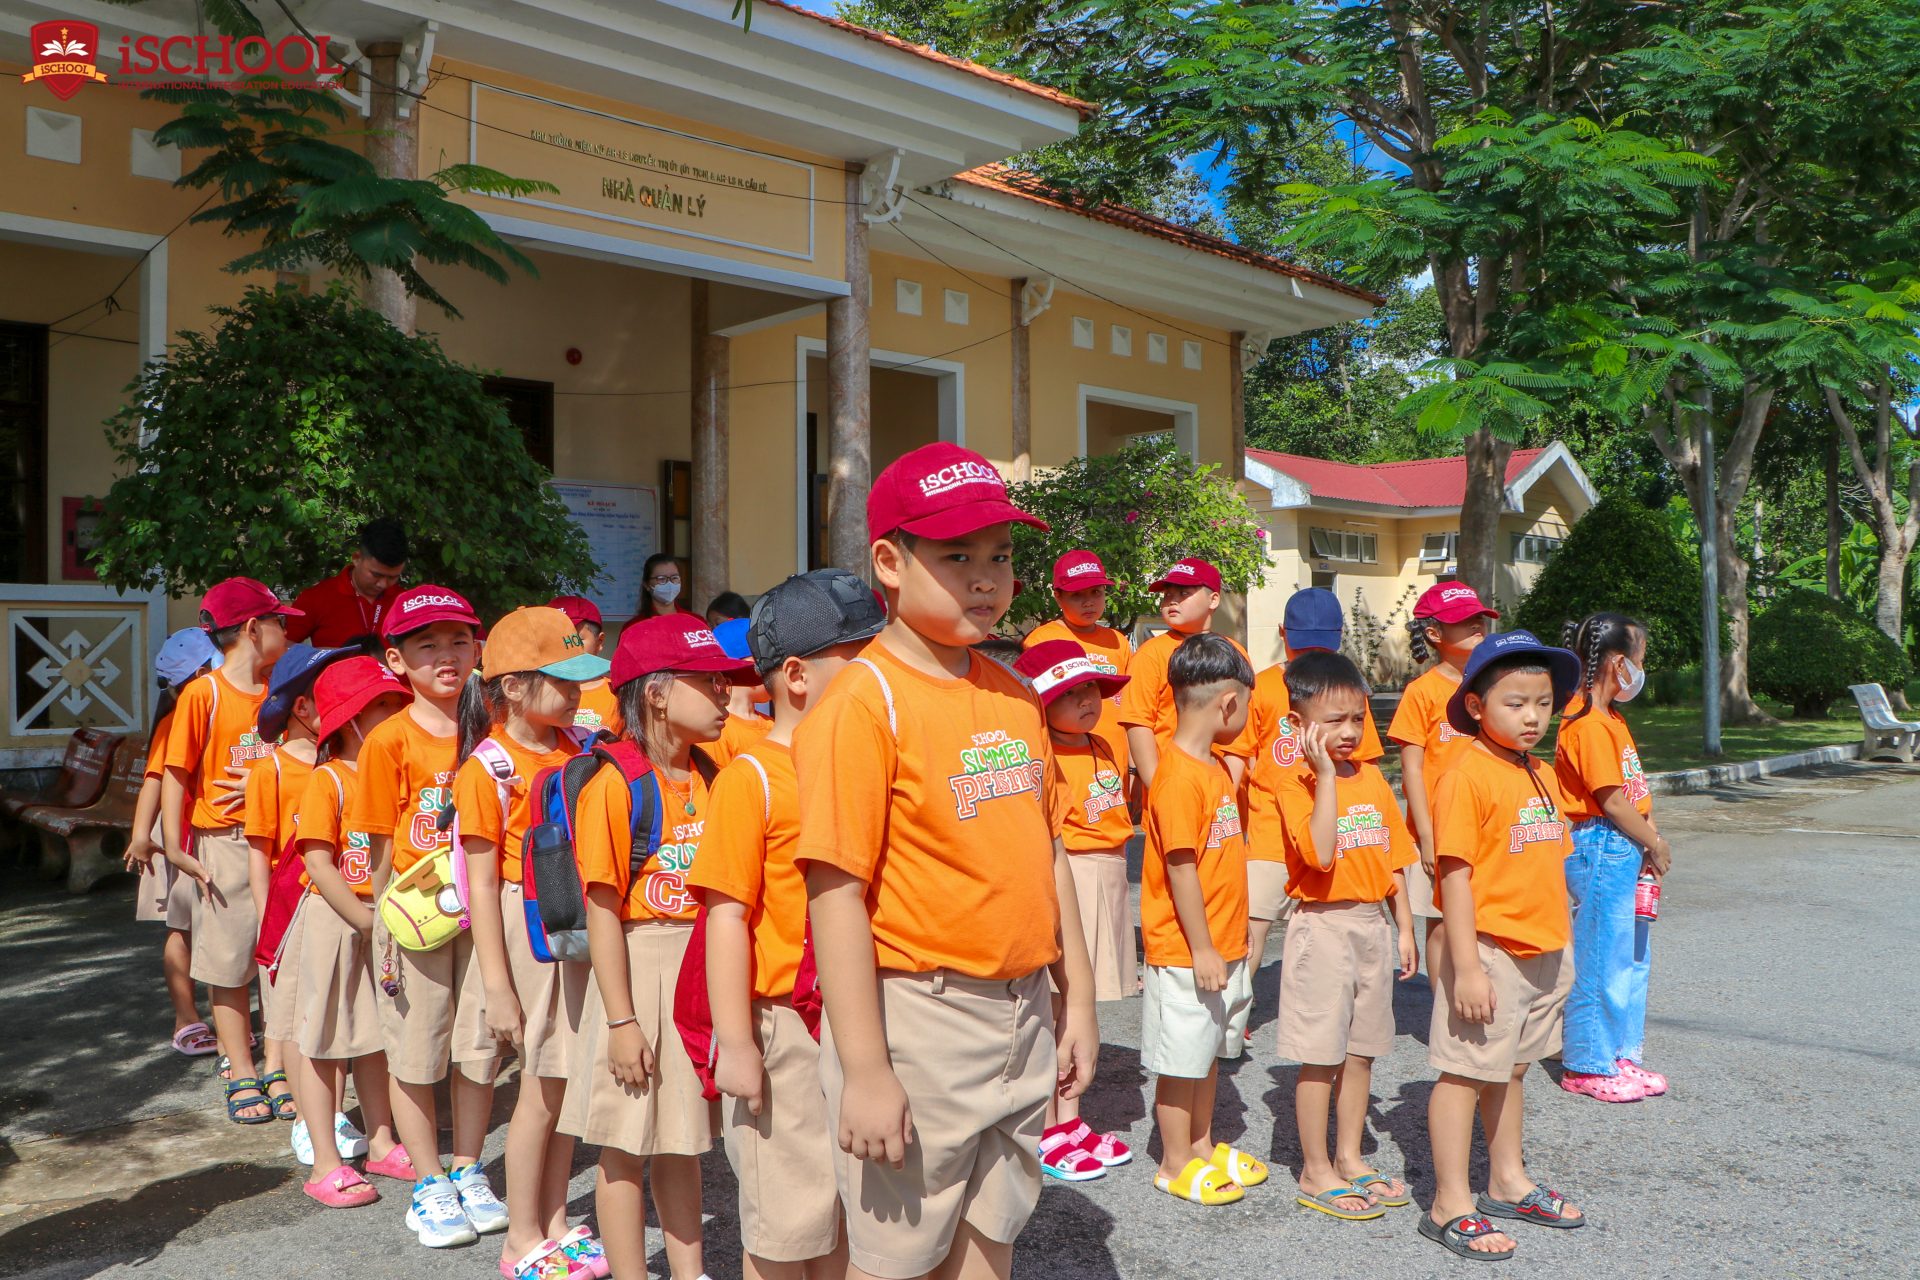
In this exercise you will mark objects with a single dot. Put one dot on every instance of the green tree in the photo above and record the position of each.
(1623, 557)
(260, 446)
(1808, 648)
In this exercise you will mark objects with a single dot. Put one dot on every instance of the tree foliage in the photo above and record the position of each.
(260, 446)
(1622, 557)
(1808, 648)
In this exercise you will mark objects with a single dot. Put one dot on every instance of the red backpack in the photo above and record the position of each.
(285, 889)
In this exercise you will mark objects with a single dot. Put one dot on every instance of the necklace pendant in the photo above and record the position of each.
(689, 808)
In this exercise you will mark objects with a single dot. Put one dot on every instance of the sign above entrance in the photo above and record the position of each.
(644, 175)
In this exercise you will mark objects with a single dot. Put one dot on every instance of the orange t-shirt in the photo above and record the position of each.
(275, 790)
(1371, 840)
(330, 794)
(946, 819)
(156, 764)
(1509, 824)
(599, 709)
(603, 844)
(1093, 799)
(1110, 653)
(1272, 747)
(406, 778)
(1421, 721)
(1597, 751)
(749, 857)
(476, 799)
(1191, 805)
(213, 729)
(736, 735)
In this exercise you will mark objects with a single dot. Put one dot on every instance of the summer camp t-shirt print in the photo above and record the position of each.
(406, 778)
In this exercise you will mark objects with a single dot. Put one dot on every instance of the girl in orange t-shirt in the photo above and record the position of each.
(1614, 842)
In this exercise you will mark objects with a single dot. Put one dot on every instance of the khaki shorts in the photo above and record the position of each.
(1266, 890)
(280, 996)
(1184, 1030)
(225, 923)
(1529, 997)
(550, 994)
(1420, 892)
(181, 899)
(1336, 984)
(338, 1015)
(668, 1118)
(977, 1060)
(156, 884)
(1106, 920)
(440, 1015)
(783, 1158)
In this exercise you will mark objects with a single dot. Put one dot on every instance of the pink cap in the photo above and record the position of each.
(671, 642)
(1056, 667)
(424, 605)
(940, 491)
(578, 609)
(346, 687)
(1451, 602)
(1191, 572)
(1079, 571)
(239, 600)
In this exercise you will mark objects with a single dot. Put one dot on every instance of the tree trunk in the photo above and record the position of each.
(1897, 536)
(1834, 532)
(1479, 547)
(393, 142)
(850, 400)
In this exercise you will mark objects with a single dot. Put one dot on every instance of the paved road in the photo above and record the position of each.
(1782, 1008)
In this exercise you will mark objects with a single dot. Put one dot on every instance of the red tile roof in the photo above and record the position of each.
(1001, 178)
(1085, 109)
(1428, 482)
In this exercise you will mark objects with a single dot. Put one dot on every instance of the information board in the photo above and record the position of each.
(622, 524)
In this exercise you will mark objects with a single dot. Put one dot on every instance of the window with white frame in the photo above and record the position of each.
(1439, 548)
(1343, 544)
(1534, 548)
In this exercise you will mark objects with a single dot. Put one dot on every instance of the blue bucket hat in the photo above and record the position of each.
(185, 652)
(293, 677)
(1563, 667)
(1313, 619)
(732, 635)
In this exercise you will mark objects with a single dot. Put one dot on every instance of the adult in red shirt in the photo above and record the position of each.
(347, 608)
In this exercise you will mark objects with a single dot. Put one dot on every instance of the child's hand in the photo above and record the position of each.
(1078, 1053)
(875, 1120)
(628, 1056)
(505, 1019)
(188, 865)
(139, 852)
(1209, 970)
(1429, 863)
(1313, 745)
(741, 1072)
(1660, 855)
(230, 792)
(1409, 957)
(1473, 998)
(363, 920)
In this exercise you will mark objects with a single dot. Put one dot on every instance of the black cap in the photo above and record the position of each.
(810, 612)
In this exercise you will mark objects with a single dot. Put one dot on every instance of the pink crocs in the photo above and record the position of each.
(1653, 1082)
(1620, 1088)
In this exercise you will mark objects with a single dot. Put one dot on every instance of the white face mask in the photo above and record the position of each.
(666, 592)
(1635, 681)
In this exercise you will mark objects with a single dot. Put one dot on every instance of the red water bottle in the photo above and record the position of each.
(1646, 897)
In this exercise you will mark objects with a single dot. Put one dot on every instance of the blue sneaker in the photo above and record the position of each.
(483, 1209)
(435, 1215)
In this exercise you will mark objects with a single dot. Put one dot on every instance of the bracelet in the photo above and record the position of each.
(622, 1022)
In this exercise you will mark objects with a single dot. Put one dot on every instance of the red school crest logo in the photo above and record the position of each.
(64, 56)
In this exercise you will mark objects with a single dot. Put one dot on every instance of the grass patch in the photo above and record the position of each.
(1669, 737)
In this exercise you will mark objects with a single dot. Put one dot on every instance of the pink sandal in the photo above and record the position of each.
(1107, 1148)
(1620, 1088)
(1061, 1158)
(397, 1164)
(195, 1040)
(342, 1189)
(1652, 1081)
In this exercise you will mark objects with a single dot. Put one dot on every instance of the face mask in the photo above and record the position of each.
(666, 592)
(1636, 680)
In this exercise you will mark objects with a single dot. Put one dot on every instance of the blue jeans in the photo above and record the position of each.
(1607, 1008)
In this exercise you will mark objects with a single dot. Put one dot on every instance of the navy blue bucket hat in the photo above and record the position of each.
(1563, 666)
(293, 677)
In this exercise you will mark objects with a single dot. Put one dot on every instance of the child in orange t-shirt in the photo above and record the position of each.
(1080, 584)
(514, 725)
(212, 732)
(631, 1087)
(1189, 597)
(767, 1063)
(935, 879)
(1193, 916)
(1448, 621)
(598, 708)
(1347, 850)
(338, 1024)
(1500, 833)
(1615, 841)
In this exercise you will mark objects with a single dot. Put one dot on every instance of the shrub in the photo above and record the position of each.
(1808, 648)
(1623, 557)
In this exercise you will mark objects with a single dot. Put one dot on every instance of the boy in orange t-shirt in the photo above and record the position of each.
(599, 709)
(1500, 833)
(800, 635)
(1193, 916)
(1189, 597)
(213, 731)
(1080, 584)
(935, 878)
(1347, 853)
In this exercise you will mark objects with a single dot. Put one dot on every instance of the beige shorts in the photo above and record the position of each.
(440, 1015)
(225, 923)
(156, 885)
(182, 897)
(1184, 1030)
(338, 1016)
(1529, 998)
(1266, 890)
(1336, 983)
(669, 1117)
(976, 1058)
(783, 1158)
(550, 994)
(1106, 919)
(1420, 892)
(280, 997)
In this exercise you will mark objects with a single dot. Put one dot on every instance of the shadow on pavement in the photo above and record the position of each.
(133, 1230)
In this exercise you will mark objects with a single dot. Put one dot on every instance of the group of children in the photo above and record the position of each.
(863, 884)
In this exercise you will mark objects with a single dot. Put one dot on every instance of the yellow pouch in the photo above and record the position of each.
(425, 907)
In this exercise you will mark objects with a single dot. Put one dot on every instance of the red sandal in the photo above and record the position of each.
(1062, 1158)
(1107, 1148)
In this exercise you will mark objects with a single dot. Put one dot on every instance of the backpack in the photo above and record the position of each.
(284, 892)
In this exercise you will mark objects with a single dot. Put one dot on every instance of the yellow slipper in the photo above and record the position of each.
(1202, 1184)
(1238, 1165)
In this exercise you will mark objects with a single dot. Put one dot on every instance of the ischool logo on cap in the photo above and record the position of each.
(1084, 568)
(954, 475)
(702, 639)
(416, 603)
(1072, 671)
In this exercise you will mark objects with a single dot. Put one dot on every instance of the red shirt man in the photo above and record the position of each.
(349, 605)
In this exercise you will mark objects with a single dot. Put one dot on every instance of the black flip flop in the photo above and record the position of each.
(1458, 1234)
(1541, 1206)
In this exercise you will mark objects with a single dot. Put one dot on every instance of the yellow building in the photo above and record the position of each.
(776, 255)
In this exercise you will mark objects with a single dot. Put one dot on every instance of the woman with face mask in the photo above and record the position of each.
(662, 591)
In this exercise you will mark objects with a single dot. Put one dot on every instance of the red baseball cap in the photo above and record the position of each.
(1079, 571)
(239, 600)
(1191, 572)
(578, 609)
(672, 642)
(940, 491)
(424, 605)
(1451, 602)
(1057, 667)
(346, 687)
